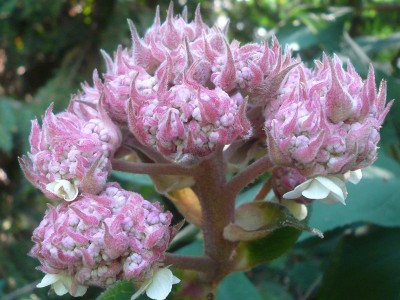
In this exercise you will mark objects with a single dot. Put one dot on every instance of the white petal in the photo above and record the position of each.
(175, 280)
(332, 183)
(316, 191)
(59, 288)
(63, 188)
(80, 291)
(333, 198)
(296, 193)
(354, 176)
(161, 285)
(142, 289)
(48, 279)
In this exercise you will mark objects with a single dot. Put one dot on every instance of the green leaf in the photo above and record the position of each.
(122, 290)
(268, 248)
(375, 199)
(237, 287)
(364, 266)
(372, 44)
(265, 230)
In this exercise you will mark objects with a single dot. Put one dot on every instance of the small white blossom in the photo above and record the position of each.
(328, 189)
(158, 286)
(62, 284)
(63, 188)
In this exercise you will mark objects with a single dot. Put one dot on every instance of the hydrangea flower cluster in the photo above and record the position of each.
(99, 239)
(182, 93)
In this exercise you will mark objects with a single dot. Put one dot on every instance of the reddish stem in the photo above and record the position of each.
(150, 168)
(253, 171)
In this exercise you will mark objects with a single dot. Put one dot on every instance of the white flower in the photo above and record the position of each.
(158, 286)
(329, 188)
(63, 188)
(62, 284)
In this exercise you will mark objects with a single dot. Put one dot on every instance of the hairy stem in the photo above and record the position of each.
(217, 212)
(150, 168)
(188, 262)
(242, 179)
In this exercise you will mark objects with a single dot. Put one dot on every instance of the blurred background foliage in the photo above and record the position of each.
(48, 47)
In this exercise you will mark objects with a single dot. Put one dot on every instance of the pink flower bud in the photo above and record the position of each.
(97, 240)
(189, 119)
(328, 120)
(70, 154)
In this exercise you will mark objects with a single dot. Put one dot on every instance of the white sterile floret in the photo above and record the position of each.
(63, 188)
(329, 189)
(158, 286)
(62, 284)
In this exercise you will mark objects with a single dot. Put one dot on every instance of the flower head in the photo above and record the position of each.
(70, 154)
(328, 121)
(97, 240)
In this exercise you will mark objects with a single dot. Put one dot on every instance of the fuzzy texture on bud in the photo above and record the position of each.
(172, 86)
(328, 121)
(189, 119)
(70, 154)
(97, 240)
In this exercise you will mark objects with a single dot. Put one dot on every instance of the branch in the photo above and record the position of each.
(242, 179)
(150, 168)
(188, 262)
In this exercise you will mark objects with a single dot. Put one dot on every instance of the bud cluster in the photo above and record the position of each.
(99, 239)
(183, 92)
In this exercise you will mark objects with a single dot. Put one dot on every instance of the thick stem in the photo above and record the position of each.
(150, 168)
(217, 212)
(188, 262)
(242, 179)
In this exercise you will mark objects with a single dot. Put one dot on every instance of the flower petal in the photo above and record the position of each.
(332, 184)
(296, 193)
(354, 176)
(48, 279)
(63, 189)
(316, 191)
(59, 288)
(161, 285)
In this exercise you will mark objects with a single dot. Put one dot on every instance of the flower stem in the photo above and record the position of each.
(188, 262)
(242, 179)
(150, 168)
(217, 212)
